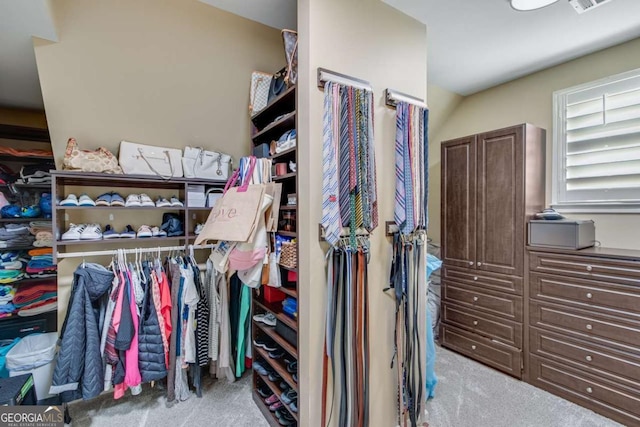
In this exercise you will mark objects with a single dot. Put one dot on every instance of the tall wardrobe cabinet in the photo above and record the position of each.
(492, 183)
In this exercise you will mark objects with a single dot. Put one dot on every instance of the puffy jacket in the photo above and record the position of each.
(151, 357)
(79, 371)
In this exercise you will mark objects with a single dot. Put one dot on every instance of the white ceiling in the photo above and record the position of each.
(19, 21)
(274, 13)
(476, 44)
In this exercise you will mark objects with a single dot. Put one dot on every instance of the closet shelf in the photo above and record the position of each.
(292, 292)
(286, 153)
(269, 416)
(18, 248)
(88, 179)
(46, 186)
(288, 207)
(118, 241)
(276, 390)
(5, 220)
(284, 102)
(10, 158)
(281, 370)
(126, 208)
(273, 308)
(287, 233)
(23, 133)
(283, 177)
(276, 129)
(271, 332)
(295, 270)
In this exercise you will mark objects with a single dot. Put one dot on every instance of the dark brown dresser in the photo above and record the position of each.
(583, 328)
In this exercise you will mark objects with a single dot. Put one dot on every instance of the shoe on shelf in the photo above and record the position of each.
(31, 212)
(294, 406)
(175, 202)
(104, 199)
(91, 232)
(74, 232)
(144, 231)
(259, 368)
(70, 200)
(133, 200)
(264, 391)
(198, 229)
(117, 200)
(128, 232)
(110, 233)
(288, 396)
(267, 318)
(157, 232)
(274, 376)
(292, 367)
(265, 343)
(277, 354)
(86, 201)
(272, 399)
(283, 386)
(146, 201)
(276, 406)
(162, 202)
(295, 377)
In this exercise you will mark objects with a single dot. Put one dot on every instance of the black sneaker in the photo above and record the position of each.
(265, 343)
(274, 376)
(292, 367)
(295, 378)
(264, 391)
(283, 385)
(285, 419)
(276, 353)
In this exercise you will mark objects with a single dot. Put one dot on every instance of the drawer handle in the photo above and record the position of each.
(589, 358)
(475, 298)
(473, 347)
(475, 322)
(589, 295)
(479, 264)
(589, 268)
(475, 277)
(589, 327)
(470, 262)
(589, 390)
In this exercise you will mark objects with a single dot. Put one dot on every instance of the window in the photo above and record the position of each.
(596, 159)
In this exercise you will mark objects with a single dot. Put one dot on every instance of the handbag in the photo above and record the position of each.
(259, 95)
(100, 160)
(234, 217)
(290, 39)
(140, 159)
(289, 255)
(278, 84)
(200, 163)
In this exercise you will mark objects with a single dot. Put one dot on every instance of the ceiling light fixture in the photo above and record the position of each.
(524, 5)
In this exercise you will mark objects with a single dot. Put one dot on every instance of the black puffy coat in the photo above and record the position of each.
(79, 371)
(151, 357)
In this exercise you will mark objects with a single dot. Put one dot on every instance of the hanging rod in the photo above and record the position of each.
(392, 97)
(344, 233)
(325, 75)
(131, 251)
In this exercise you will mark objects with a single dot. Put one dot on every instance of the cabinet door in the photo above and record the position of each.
(459, 202)
(500, 216)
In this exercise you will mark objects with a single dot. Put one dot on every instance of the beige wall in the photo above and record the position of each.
(162, 72)
(20, 117)
(529, 99)
(371, 41)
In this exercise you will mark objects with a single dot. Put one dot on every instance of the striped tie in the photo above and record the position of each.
(399, 213)
(409, 225)
(330, 208)
(344, 158)
(373, 187)
(359, 158)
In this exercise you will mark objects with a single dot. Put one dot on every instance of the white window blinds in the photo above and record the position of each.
(597, 143)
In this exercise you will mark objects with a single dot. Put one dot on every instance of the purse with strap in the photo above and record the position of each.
(100, 160)
(259, 95)
(200, 163)
(140, 159)
(290, 39)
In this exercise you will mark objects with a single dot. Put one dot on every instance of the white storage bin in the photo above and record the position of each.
(35, 354)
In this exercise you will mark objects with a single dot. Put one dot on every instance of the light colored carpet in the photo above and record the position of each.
(222, 404)
(470, 394)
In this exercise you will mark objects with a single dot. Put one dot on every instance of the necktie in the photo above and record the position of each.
(373, 189)
(344, 158)
(408, 181)
(399, 213)
(330, 207)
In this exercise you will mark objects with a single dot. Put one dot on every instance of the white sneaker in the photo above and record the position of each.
(175, 202)
(74, 232)
(71, 200)
(144, 231)
(198, 229)
(91, 232)
(86, 201)
(146, 201)
(133, 200)
(157, 232)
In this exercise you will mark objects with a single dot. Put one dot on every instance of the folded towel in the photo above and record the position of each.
(29, 294)
(39, 307)
(7, 308)
(38, 252)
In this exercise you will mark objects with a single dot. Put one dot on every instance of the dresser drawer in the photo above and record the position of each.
(617, 271)
(586, 293)
(494, 281)
(608, 330)
(610, 399)
(496, 303)
(487, 325)
(499, 356)
(587, 356)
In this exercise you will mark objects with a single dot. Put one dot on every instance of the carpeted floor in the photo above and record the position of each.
(222, 405)
(470, 394)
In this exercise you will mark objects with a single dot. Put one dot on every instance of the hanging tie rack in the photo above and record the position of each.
(392, 97)
(132, 251)
(325, 75)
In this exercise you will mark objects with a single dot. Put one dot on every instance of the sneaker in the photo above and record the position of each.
(292, 367)
(294, 406)
(117, 200)
(276, 354)
(144, 231)
(86, 201)
(162, 203)
(110, 233)
(70, 200)
(104, 199)
(198, 229)
(267, 318)
(31, 212)
(274, 376)
(175, 202)
(272, 399)
(74, 232)
(276, 406)
(285, 418)
(288, 396)
(157, 232)
(265, 343)
(264, 391)
(133, 200)
(259, 368)
(91, 232)
(128, 233)
(146, 201)
(295, 378)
